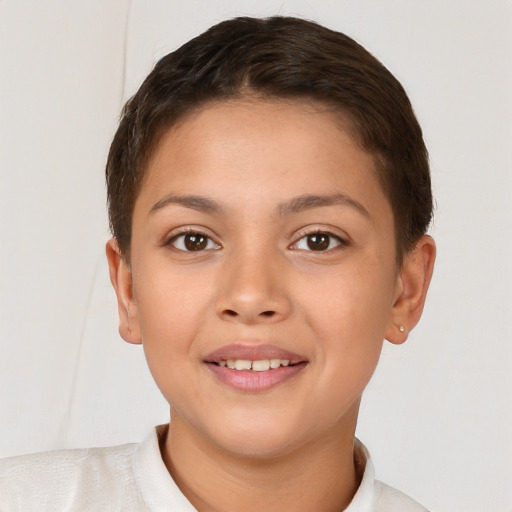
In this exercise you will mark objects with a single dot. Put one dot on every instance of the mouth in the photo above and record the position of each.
(254, 368)
(260, 365)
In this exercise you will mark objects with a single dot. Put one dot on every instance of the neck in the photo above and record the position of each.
(317, 476)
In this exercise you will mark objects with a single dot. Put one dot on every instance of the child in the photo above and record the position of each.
(269, 195)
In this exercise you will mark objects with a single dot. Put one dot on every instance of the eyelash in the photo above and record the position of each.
(190, 232)
(340, 242)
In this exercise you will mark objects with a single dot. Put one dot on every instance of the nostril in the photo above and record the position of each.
(247, 316)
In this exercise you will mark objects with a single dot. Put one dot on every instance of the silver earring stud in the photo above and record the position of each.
(401, 328)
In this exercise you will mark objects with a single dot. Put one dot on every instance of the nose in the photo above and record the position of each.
(253, 289)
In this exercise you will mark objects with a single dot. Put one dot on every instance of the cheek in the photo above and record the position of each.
(348, 315)
(353, 302)
(167, 300)
(170, 310)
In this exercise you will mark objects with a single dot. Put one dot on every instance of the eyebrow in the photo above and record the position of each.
(294, 205)
(199, 203)
(309, 201)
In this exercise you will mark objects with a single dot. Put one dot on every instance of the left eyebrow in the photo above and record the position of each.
(308, 202)
(199, 203)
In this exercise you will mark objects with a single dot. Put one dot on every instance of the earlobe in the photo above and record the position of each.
(414, 280)
(121, 279)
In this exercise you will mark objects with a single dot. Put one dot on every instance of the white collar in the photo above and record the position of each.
(161, 493)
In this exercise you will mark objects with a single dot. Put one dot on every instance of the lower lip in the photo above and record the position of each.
(253, 382)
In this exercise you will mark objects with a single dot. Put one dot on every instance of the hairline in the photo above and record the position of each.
(342, 118)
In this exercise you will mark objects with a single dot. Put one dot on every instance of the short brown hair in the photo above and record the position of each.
(283, 58)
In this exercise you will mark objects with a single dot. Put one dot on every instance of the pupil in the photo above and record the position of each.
(318, 242)
(195, 242)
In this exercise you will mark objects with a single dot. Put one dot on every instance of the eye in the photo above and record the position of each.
(193, 242)
(319, 242)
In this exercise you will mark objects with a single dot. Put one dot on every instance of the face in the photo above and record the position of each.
(263, 278)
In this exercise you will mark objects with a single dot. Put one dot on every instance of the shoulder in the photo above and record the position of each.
(373, 494)
(69, 480)
(388, 499)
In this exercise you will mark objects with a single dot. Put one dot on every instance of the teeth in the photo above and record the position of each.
(242, 364)
(261, 365)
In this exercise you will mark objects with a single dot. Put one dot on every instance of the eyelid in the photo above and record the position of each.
(343, 238)
(189, 230)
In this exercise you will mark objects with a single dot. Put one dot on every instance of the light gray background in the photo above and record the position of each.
(437, 415)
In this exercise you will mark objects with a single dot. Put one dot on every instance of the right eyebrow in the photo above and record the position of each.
(310, 201)
(199, 203)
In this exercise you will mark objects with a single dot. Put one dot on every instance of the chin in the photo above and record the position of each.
(257, 440)
(257, 447)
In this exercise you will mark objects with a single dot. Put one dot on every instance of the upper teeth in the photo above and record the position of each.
(257, 366)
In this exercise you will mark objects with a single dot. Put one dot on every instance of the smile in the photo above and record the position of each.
(261, 365)
(254, 368)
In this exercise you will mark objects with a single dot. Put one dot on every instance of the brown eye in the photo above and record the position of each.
(193, 242)
(318, 241)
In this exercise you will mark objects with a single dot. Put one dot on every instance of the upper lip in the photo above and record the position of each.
(252, 352)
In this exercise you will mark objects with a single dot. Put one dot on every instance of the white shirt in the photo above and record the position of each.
(133, 478)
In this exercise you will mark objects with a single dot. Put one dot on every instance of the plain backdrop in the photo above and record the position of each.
(437, 415)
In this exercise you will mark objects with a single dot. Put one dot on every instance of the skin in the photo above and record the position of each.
(258, 281)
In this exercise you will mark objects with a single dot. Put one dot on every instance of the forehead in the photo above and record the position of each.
(271, 147)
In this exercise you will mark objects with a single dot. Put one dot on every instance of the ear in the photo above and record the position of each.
(122, 281)
(412, 287)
